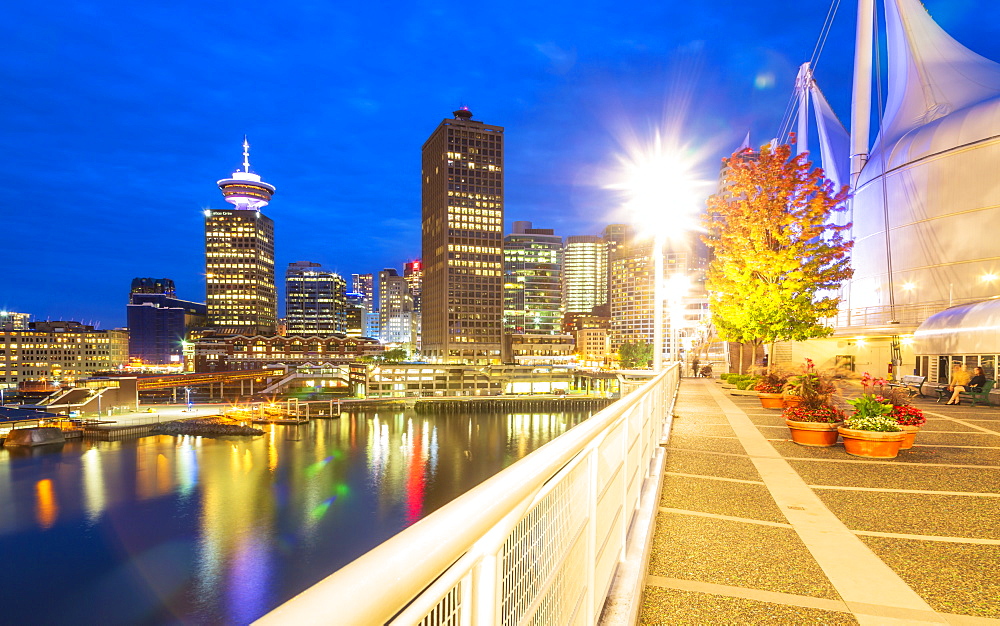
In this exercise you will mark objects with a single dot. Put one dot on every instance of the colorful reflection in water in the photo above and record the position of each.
(192, 529)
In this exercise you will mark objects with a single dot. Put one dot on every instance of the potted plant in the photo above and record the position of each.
(769, 389)
(814, 425)
(871, 431)
(909, 417)
(810, 384)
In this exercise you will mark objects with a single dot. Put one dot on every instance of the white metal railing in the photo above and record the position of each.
(538, 543)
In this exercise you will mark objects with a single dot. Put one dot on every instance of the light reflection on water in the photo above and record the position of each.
(167, 529)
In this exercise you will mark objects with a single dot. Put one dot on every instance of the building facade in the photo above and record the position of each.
(9, 320)
(159, 323)
(396, 317)
(315, 300)
(225, 353)
(585, 273)
(413, 272)
(532, 281)
(62, 352)
(239, 257)
(462, 240)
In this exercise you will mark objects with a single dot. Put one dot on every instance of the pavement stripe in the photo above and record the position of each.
(731, 518)
(970, 540)
(873, 461)
(858, 575)
(728, 480)
(976, 494)
(867, 533)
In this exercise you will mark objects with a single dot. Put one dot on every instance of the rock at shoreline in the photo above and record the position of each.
(211, 426)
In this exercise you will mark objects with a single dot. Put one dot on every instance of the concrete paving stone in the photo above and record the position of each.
(673, 606)
(692, 462)
(952, 426)
(718, 430)
(788, 448)
(955, 516)
(952, 578)
(720, 498)
(891, 476)
(921, 453)
(696, 442)
(957, 439)
(737, 554)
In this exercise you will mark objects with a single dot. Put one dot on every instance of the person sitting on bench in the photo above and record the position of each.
(960, 379)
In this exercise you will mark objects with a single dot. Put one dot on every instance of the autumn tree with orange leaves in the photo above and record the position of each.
(779, 258)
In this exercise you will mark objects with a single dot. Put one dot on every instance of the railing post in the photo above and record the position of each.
(484, 591)
(592, 479)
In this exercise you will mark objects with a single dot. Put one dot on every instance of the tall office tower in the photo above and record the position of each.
(585, 273)
(413, 272)
(239, 251)
(315, 300)
(533, 281)
(159, 323)
(355, 315)
(462, 205)
(395, 306)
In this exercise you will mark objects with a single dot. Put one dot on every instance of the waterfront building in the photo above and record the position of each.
(364, 284)
(239, 257)
(533, 280)
(315, 300)
(396, 317)
(414, 380)
(60, 351)
(593, 347)
(159, 323)
(462, 240)
(9, 320)
(538, 349)
(221, 353)
(585, 273)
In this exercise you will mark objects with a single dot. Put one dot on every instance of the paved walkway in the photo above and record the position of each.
(755, 529)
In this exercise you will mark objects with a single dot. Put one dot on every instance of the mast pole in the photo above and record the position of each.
(802, 82)
(861, 104)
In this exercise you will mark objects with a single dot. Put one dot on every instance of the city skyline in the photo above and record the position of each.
(117, 142)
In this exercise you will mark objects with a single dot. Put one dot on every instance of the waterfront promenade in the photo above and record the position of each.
(755, 529)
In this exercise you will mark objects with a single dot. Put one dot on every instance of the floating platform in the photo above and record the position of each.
(37, 436)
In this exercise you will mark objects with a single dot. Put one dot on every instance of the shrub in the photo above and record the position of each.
(824, 414)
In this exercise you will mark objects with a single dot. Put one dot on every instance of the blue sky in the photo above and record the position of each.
(118, 118)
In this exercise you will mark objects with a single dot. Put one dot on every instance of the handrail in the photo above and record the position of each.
(576, 495)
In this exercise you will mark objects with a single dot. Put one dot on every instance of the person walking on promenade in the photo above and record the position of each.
(694, 367)
(959, 381)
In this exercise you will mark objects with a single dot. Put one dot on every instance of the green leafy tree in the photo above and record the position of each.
(395, 355)
(637, 355)
(779, 258)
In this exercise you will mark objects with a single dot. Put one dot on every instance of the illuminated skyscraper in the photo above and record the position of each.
(462, 204)
(585, 273)
(395, 307)
(315, 300)
(413, 272)
(239, 251)
(533, 281)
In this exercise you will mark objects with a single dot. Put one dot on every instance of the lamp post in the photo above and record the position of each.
(658, 289)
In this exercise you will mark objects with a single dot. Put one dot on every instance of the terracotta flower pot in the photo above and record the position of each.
(820, 434)
(770, 400)
(909, 434)
(791, 401)
(871, 443)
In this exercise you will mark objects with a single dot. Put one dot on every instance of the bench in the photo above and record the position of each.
(983, 395)
(912, 384)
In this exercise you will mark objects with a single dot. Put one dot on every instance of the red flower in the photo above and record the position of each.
(908, 415)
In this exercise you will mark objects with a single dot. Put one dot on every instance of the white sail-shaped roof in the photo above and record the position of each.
(930, 74)
(834, 140)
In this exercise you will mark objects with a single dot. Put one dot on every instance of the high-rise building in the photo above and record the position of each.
(585, 273)
(413, 272)
(61, 352)
(239, 251)
(159, 323)
(356, 315)
(462, 206)
(395, 306)
(632, 291)
(315, 300)
(533, 281)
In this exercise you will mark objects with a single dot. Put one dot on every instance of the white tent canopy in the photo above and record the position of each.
(967, 329)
